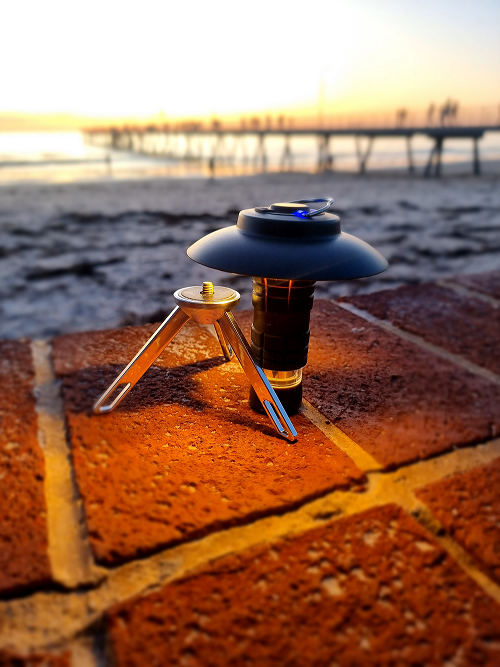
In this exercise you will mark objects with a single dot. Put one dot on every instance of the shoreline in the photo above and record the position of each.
(104, 170)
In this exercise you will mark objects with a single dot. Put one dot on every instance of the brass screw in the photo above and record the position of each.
(207, 289)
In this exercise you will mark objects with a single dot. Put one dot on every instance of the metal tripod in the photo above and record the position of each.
(205, 305)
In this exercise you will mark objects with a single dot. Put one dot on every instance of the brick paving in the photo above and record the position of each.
(370, 586)
(486, 283)
(184, 453)
(462, 325)
(390, 396)
(468, 506)
(24, 561)
(8, 659)
(216, 542)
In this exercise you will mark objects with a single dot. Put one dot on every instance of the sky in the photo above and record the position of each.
(107, 58)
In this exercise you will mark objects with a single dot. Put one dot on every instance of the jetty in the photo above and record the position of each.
(223, 142)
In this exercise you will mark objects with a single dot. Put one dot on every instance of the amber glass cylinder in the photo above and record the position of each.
(280, 336)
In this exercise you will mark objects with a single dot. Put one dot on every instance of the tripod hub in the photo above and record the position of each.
(205, 305)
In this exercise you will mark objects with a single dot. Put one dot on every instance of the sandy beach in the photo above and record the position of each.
(88, 256)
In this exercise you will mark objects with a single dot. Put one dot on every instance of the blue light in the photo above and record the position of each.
(304, 214)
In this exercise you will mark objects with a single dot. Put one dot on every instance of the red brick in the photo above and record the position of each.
(468, 505)
(397, 401)
(487, 283)
(8, 659)
(73, 352)
(24, 561)
(371, 589)
(462, 325)
(183, 454)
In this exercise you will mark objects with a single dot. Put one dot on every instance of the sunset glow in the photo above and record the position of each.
(158, 59)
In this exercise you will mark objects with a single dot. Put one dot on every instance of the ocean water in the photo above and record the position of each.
(65, 157)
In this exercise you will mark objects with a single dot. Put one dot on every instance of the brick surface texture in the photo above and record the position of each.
(8, 659)
(462, 325)
(394, 399)
(468, 505)
(345, 581)
(23, 531)
(487, 283)
(369, 589)
(184, 453)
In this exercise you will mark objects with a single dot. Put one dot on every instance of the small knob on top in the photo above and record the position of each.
(288, 207)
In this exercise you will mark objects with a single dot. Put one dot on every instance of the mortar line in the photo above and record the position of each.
(465, 560)
(69, 550)
(56, 618)
(401, 487)
(420, 342)
(468, 292)
(363, 460)
(427, 471)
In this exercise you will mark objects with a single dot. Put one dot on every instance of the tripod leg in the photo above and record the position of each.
(272, 405)
(227, 350)
(143, 359)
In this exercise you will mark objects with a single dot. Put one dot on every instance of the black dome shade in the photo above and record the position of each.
(289, 246)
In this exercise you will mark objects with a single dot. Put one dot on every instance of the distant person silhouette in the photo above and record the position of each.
(445, 110)
(430, 114)
(448, 113)
(211, 167)
(401, 117)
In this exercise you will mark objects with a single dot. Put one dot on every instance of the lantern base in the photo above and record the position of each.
(290, 397)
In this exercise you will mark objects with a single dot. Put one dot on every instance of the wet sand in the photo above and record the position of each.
(89, 256)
